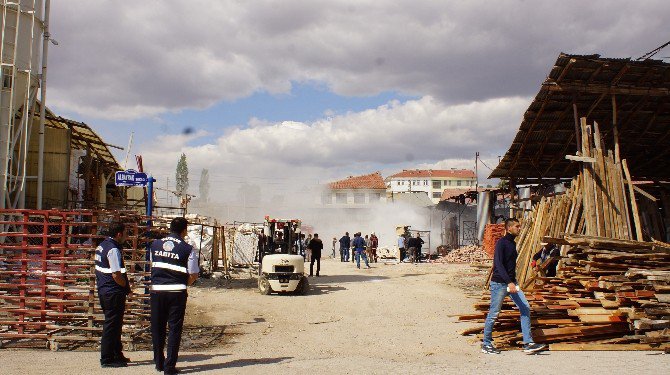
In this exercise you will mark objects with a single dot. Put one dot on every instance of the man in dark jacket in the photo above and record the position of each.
(419, 244)
(316, 245)
(345, 244)
(503, 283)
(113, 286)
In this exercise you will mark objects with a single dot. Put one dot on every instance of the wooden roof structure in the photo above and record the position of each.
(83, 137)
(627, 98)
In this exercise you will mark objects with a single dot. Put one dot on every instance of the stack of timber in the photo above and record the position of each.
(610, 295)
(492, 233)
(612, 290)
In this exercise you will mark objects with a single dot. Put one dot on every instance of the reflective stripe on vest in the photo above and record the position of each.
(108, 270)
(168, 287)
(169, 266)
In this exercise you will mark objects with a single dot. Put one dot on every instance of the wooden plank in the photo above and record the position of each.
(633, 203)
(583, 159)
(561, 346)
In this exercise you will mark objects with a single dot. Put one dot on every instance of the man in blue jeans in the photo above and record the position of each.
(503, 283)
(359, 247)
(345, 243)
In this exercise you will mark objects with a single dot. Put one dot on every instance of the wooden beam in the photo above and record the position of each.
(566, 69)
(584, 159)
(644, 193)
(528, 133)
(633, 203)
(600, 89)
(550, 133)
(561, 346)
(615, 129)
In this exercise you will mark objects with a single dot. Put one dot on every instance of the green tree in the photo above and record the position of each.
(204, 185)
(182, 175)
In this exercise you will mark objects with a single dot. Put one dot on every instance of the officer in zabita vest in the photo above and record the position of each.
(113, 286)
(174, 266)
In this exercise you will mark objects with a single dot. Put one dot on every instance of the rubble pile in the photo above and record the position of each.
(466, 254)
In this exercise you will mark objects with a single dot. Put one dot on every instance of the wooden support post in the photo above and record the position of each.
(615, 130)
(577, 131)
(633, 203)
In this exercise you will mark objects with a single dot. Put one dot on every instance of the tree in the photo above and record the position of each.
(182, 176)
(204, 185)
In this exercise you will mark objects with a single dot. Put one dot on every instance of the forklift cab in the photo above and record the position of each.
(281, 268)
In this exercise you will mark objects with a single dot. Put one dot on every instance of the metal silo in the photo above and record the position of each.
(21, 22)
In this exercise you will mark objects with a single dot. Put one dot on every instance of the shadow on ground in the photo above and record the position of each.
(232, 364)
(316, 289)
(339, 279)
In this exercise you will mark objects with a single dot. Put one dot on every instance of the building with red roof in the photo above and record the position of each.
(356, 190)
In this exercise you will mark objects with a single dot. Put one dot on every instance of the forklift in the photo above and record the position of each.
(282, 269)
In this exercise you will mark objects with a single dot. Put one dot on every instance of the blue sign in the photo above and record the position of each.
(131, 178)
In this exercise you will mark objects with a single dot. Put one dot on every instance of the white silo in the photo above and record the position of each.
(21, 22)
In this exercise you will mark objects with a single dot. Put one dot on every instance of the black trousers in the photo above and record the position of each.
(316, 257)
(167, 309)
(113, 306)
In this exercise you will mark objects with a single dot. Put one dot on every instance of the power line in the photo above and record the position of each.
(482, 161)
(653, 52)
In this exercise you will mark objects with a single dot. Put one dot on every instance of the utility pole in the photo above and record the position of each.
(43, 101)
(476, 171)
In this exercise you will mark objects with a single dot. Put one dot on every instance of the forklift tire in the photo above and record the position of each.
(303, 286)
(264, 287)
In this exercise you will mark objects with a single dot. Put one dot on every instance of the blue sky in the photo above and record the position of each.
(306, 103)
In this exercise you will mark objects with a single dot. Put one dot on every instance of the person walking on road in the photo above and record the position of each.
(334, 243)
(315, 247)
(359, 247)
(503, 283)
(345, 244)
(113, 287)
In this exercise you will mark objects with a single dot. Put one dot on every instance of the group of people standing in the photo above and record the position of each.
(358, 247)
(410, 247)
(174, 267)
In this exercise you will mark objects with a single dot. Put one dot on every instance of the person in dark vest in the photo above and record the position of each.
(174, 266)
(113, 287)
(315, 246)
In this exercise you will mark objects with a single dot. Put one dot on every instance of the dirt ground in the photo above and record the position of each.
(391, 319)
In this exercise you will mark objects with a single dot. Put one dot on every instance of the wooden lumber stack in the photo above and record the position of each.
(492, 233)
(611, 294)
(601, 201)
(612, 290)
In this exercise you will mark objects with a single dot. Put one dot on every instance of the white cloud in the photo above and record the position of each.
(396, 135)
(121, 61)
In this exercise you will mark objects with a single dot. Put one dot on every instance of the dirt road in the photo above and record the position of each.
(392, 319)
